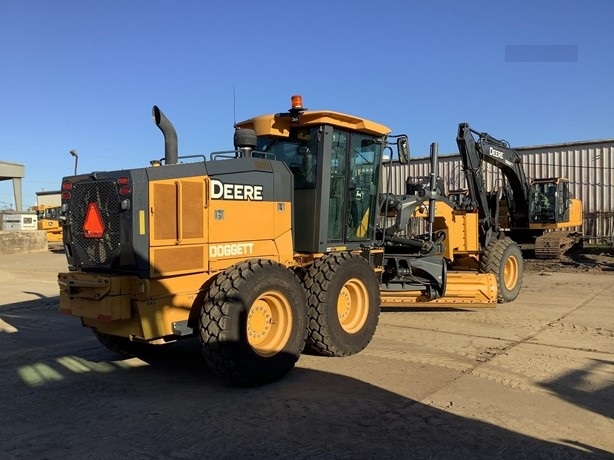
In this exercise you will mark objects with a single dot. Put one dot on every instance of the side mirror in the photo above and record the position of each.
(403, 150)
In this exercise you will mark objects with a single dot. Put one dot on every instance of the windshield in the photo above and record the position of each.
(49, 213)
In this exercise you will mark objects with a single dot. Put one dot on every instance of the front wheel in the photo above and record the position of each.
(344, 304)
(253, 323)
(503, 258)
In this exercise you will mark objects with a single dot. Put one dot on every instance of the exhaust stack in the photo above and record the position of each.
(171, 156)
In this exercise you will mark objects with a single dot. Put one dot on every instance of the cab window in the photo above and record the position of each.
(299, 152)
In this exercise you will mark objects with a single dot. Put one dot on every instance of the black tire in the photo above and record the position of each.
(503, 258)
(344, 304)
(253, 323)
(120, 345)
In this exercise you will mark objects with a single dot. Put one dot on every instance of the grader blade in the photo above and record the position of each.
(475, 289)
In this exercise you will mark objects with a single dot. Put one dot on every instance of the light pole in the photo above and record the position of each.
(76, 155)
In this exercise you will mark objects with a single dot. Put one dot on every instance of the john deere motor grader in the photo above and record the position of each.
(261, 249)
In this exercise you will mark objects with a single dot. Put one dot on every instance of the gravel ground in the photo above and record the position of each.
(590, 259)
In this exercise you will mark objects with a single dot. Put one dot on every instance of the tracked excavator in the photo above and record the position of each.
(288, 240)
(538, 211)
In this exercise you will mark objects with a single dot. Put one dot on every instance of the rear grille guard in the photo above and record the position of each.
(96, 251)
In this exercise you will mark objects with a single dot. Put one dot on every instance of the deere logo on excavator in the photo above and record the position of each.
(496, 153)
(93, 225)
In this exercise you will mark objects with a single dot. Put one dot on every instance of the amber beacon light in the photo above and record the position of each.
(296, 101)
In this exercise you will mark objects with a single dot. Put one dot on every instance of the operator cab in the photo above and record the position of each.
(51, 213)
(550, 200)
(336, 174)
(335, 160)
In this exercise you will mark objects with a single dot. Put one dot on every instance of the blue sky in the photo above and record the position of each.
(83, 75)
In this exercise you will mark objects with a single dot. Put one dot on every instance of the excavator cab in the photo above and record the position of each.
(550, 200)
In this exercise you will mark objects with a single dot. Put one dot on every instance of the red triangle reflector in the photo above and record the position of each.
(93, 225)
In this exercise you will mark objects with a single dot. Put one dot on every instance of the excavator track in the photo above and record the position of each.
(553, 245)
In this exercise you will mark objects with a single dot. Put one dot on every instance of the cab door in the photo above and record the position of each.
(353, 187)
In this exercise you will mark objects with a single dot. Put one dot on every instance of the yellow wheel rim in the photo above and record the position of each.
(353, 306)
(510, 273)
(269, 323)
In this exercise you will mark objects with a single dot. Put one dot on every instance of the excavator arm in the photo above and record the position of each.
(499, 154)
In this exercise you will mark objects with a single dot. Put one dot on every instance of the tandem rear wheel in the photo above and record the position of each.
(253, 322)
(344, 304)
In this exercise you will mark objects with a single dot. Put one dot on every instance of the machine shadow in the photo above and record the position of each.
(41, 301)
(175, 405)
(167, 403)
(573, 388)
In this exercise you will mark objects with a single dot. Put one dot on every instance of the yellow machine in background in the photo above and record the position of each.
(553, 213)
(526, 211)
(49, 221)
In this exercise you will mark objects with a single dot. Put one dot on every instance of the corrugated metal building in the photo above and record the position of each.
(589, 166)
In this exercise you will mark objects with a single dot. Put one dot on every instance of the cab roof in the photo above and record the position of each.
(279, 124)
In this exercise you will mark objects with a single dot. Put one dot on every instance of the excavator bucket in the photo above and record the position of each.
(462, 288)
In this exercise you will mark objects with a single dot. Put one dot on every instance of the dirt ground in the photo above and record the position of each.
(530, 379)
(590, 259)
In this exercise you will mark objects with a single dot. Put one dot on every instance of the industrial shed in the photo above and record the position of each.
(589, 166)
(15, 172)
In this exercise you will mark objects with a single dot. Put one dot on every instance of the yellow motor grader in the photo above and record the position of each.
(286, 241)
